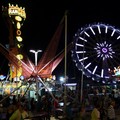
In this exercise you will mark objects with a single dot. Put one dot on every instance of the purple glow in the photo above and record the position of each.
(104, 50)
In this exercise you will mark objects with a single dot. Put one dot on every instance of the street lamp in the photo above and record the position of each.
(36, 57)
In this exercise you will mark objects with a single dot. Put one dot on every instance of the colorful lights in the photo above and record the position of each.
(18, 25)
(96, 49)
(2, 77)
(15, 10)
(18, 18)
(17, 15)
(104, 50)
(19, 38)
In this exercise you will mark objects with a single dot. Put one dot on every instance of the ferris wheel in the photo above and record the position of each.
(96, 50)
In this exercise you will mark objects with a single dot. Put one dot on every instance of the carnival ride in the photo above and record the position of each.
(96, 51)
(19, 62)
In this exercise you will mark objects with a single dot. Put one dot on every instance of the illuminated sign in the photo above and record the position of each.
(15, 10)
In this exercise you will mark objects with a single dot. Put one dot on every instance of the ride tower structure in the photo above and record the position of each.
(15, 17)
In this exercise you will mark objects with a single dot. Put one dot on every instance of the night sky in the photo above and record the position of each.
(43, 18)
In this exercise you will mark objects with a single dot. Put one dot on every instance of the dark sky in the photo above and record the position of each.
(43, 18)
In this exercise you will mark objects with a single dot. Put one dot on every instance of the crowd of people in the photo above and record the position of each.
(23, 108)
(103, 107)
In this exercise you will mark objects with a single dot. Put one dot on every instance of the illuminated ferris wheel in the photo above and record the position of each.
(96, 50)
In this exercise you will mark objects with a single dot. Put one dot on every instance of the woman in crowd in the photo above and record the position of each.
(95, 115)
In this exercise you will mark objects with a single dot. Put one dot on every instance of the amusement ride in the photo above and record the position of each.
(95, 51)
(25, 76)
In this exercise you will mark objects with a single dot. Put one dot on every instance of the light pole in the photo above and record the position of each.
(36, 57)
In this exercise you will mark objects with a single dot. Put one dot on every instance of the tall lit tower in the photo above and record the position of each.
(15, 17)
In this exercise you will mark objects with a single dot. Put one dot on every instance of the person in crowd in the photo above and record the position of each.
(81, 114)
(95, 114)
(32, 104)
(19, 114)
(56, 106)
(46, 107)
(111, 111)
(14, 100)
(10, 111)
(69, 112)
